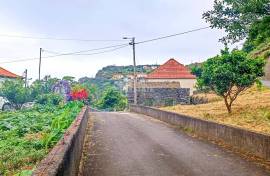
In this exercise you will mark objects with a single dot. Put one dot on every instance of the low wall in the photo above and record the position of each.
(64, 158)
(248, 141)
(267, 70)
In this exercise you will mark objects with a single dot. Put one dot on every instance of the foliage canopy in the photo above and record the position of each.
(236, 17)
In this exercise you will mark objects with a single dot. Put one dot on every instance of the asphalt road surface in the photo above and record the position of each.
(126, 144)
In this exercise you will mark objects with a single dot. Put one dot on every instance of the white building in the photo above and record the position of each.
(173, 71)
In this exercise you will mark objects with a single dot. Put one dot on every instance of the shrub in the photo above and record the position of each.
(80, 94)
(112, 100)
(50, 98)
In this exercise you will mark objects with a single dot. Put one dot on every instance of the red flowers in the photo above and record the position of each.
(80, 94)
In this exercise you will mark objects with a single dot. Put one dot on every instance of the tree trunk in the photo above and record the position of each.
(228, 105)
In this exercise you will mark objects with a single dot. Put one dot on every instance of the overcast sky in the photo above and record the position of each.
(102, 20)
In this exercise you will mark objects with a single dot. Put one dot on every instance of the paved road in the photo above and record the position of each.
(125, 144)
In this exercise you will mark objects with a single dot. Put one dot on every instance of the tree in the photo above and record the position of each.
(15, 92)
(259, 33)
(229, 74)
(112, 99)
(236, 17)
(196, 70)
(70, 79)
(43, 86)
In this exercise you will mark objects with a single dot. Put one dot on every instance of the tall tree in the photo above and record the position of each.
(236, 17)
(229, 74)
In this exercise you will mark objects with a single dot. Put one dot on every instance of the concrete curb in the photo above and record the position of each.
(64, 158)
(255, 143)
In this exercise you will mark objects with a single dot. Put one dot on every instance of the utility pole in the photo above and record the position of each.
(25, 77)
(134, 69)
(40, 50)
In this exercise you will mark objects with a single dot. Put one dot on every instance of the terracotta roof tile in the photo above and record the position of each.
(171, 70)
(6, 73)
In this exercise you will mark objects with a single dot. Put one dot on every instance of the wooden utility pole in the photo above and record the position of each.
(40, 50)
(134, 71)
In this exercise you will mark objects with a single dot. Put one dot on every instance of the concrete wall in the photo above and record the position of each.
(184, 83)
(64, 158)
(248, 141)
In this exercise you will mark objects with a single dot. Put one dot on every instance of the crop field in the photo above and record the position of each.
(26, 136)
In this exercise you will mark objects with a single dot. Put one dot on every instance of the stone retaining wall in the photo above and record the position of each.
(248, 141)
(160, 96)
(64, 158)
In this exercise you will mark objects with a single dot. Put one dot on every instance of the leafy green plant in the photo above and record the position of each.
(26, 136)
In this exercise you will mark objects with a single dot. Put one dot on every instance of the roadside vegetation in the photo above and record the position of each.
(27, 133)
(26, 136)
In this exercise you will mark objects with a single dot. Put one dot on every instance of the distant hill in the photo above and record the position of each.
(109, 71)
(115, 76)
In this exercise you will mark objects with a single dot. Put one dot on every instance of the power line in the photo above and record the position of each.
(86, 54)
(84, 51)
(115, 47)
(55, 38)
(173, 35)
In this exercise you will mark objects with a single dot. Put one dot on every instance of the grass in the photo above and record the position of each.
(251, 110)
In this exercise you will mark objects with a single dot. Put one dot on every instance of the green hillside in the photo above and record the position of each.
(108, 71)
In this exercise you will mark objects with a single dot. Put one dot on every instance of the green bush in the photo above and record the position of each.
(112, 100)
(50, 98)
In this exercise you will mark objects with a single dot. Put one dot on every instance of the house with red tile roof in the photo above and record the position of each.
(5, 75)
(173, 71)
